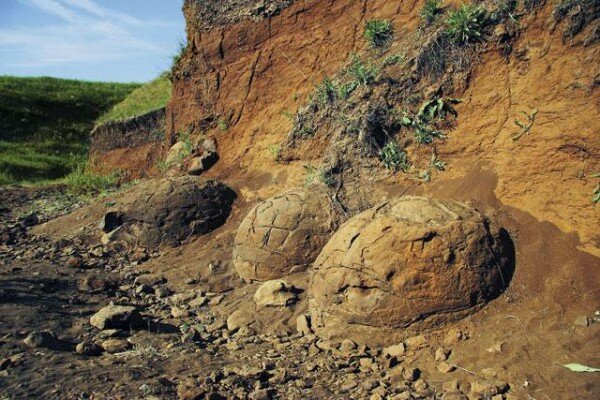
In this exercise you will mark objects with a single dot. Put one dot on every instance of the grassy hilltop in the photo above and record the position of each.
(45, 124)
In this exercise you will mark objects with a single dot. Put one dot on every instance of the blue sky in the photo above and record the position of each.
(101, 40)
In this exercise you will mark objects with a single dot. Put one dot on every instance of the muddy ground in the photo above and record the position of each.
(189, 348)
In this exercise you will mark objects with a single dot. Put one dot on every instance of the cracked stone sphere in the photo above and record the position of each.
(170, 210)
(409, 264)
(284, 234)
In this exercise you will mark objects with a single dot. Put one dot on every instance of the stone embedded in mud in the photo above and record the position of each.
(111, 221)
(284, 234)
(303, 324)
(88, 349)
(116, 345)
(44, 339)
(276, 293)
(202, 163)
(117, 317)
(170, 210)
(408, 264)
(239, 319)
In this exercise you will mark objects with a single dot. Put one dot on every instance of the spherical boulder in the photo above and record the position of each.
(409, 264)
(284, 234)
(170, 210)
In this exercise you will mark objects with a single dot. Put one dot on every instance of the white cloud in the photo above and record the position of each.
(55, 8)
(101, 11)
(85, 33)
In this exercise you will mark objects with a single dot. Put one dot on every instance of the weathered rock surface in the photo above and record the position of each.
(284, 234)
(276, 293)
(413, 261)
(117, 317)
(170, 210)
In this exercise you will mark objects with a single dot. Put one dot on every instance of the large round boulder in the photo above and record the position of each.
(409, 264)
(170, 210)
(284, 234)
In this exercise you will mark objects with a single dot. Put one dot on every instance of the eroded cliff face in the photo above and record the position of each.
(133, 147)
(240, 75)
(247, 74)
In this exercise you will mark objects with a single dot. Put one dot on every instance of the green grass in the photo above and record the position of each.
(379, 32)
(393, 157)
(30, 162)
(467, 24)
(82, 181)
(149, 97)
(430, 11)
(45, 125)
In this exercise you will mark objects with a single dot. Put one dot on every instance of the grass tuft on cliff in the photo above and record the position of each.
(45, 124)
(147, 98)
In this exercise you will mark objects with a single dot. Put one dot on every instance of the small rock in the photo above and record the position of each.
(454, 396)
(416, 342)
(112, 236)
(215, 301)
(202, 163)
(239, 319)
(348, 346)
(445, 367)
(162, 292)
(88, 349)
(116, 345)
(75, 262)
(117, 317)
(275, 293)
(454, 336)
(582, 321)
(442, 354)
(198, 302)
(301, 384)
(44, 339)
(303, 324)
(110, 333)
(348, 385)
(487, 388)
(178, 312)
(412, 374)
(396, 350)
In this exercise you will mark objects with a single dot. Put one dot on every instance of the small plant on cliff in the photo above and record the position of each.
(179, 55)
(467, 24)
(379, 32)
(436, 163)
(363, 73)
(596, 193)
(393, 157)
(438, 108)
(431, 11)
(422, 131)
(313, 173)
(393, 59)
(223, 125)
(275, 150)
(327, 91)
(525, 127)
(163, 166)
(187, 147)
